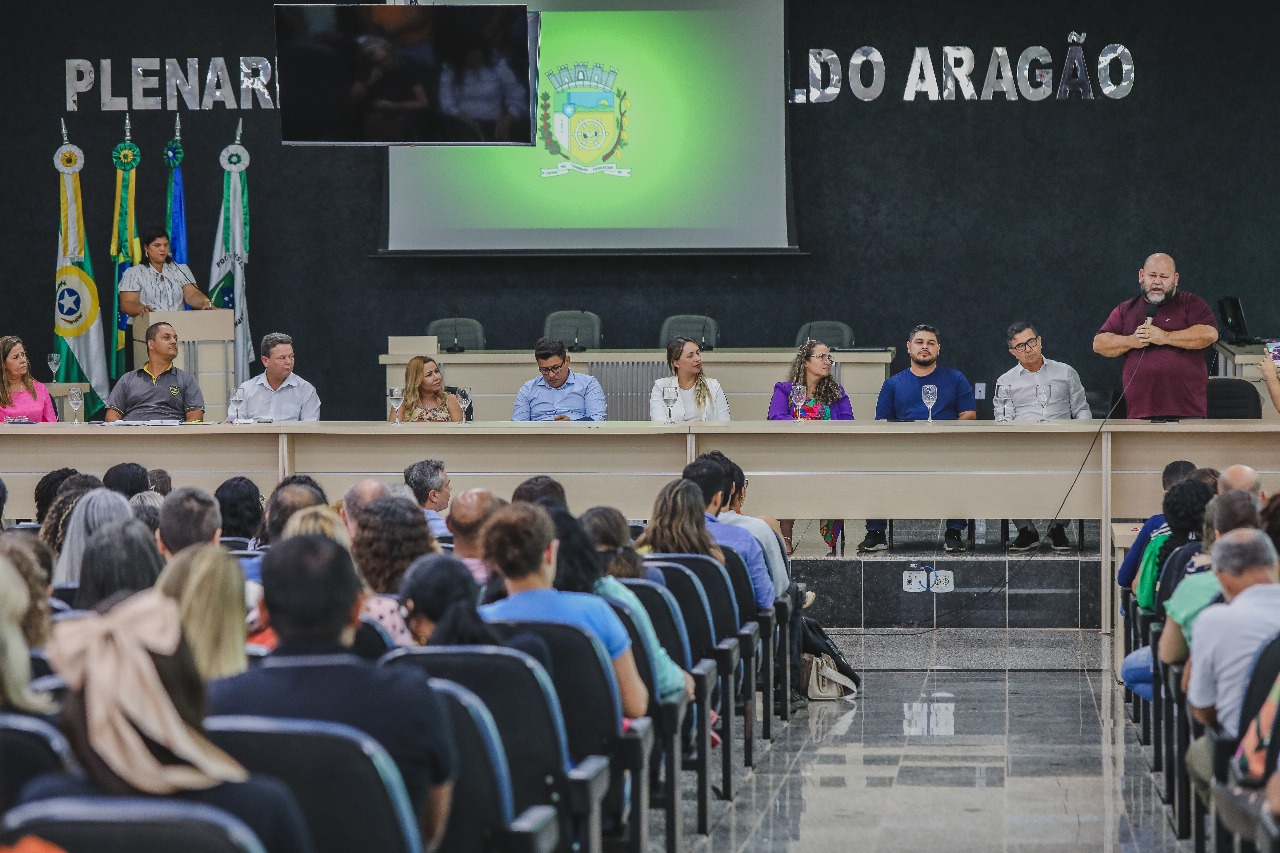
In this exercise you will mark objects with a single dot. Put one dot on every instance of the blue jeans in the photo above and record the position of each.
(1136, 672)
(881, 524)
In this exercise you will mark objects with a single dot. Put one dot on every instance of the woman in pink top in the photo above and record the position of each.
(20, 395)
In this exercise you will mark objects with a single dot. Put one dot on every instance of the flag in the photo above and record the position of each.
(77, 322)
(125, 249)
(231, 251)
(175, 209)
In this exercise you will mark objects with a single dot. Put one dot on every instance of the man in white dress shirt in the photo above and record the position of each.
(1066, 401)
(279, 394)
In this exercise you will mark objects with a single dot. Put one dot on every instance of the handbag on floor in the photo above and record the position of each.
(826, 674)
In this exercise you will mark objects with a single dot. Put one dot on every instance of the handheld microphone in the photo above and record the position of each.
(457, 347)
(1152, 310)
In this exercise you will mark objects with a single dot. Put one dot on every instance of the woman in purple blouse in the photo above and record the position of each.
(824, 399)
(21, 397)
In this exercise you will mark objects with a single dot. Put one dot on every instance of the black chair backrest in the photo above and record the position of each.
(28, 748)
(744, 594)
(584, 681)
(644, 664)
(334, 771)
(523, 702)
(372, 639)
(1262, 677)
(1233, 398)
(718, 588)
(482, 787)
(234, 543)
(691, 598)
(664, 613)
(39, 664)
(468, 332)
(67, 593)
(130, 825)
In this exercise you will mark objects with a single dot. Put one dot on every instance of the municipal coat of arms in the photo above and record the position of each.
(584, 121)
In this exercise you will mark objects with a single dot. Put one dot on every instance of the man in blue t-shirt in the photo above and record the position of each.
(902, 399)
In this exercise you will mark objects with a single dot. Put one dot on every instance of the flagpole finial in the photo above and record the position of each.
(126, 127)
(177, 126)
(239, 130)
(65, 140)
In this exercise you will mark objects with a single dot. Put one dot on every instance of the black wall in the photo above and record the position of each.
(966, 214)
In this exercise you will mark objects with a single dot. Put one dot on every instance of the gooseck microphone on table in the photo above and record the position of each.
(456, 347)
(577, 347)
(702, 344)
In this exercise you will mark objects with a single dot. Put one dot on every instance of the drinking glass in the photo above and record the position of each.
(75, 399)
(235, 406)
(1044, 393)
(929, 393)
(464, 401)
(397, 397)
(1004, 401)
(669, 396)
(55, 361)
(799, 394)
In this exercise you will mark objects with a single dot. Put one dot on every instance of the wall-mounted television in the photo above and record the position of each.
(406, 75)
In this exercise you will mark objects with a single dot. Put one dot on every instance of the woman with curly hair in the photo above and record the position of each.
(678, 524)
(34, 563)
(392, 534)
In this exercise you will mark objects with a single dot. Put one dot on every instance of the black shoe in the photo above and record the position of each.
(875, 541)
(951, 542)
(1058, 538)
(1027, 539)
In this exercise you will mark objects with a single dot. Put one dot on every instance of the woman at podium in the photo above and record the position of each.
(159, 283)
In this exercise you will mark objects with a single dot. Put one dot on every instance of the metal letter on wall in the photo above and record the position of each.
(1109, 54)
(921, 77)
(861, 55)
(819, 94)
(1042, 87)
(79, 79)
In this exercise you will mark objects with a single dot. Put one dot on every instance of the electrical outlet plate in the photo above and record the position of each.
(928, 580)
(980, 391)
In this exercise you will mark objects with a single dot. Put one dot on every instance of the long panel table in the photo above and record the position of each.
(797, 470)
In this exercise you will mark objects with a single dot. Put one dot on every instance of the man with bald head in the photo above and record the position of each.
(356, 498)
(1161, 333)
(470, 511)
(1245, 479)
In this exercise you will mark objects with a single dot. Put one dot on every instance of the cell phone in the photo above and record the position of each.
(1273, 350)
(1164, 420)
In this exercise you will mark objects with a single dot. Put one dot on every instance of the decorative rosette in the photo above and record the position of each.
(126, 156)
(173, 153)
(68, 159)
(234, 158)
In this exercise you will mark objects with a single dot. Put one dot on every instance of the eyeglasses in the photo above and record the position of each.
(1026, 345)
(827, 358)
(548, 371)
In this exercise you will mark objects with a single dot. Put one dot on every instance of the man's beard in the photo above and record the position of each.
(924, 361)
(1168, 294)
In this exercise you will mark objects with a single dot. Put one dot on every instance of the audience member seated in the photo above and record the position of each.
(121, 557)
(713, 481)
(431, 490)
(15, 662)
(1199, 586)
(424, 396)
(678, 523)
(356, 498)
(538, 489)
(33, 563)
(132, 670)
(469, 512)
(609, 530)
(240, 503)
(188, 516)
(519, 541)
(1174, 557)
(1227, 639)
(391, 533)
(559, 394)
(1174, 473)
(146, 508)
(22, 397)
(697, 397)
(439, 597)
(1245, 478)
(53, 530)
(127, 478)
(287, 499)
(312, 596)
(95, 509)
(320, 520)
(208, 585)
(304, 480)
(161, 482)
(766, 534)
(47, 489)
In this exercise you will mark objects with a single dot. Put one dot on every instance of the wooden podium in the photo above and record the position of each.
(205, 349)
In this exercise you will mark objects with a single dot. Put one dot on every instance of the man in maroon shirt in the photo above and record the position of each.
(1161, 334)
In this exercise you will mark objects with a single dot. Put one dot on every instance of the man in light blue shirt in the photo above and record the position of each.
(279, 394)
(432, 490)
(558, 394)
(710, 477)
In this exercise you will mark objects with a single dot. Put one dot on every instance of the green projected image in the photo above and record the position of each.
(654, 130)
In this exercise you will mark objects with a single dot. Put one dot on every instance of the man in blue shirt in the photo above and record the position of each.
(710, 477)
(902, 399)
(432, 490)
(558, 394)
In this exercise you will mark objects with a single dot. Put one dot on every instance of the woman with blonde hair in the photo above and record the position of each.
(31, 558)
(424, 396)
(208, 585)
(15, 660)
(679, 524)
(320, 520)
(696, 397)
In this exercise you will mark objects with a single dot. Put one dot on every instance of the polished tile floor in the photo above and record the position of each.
(958, 759)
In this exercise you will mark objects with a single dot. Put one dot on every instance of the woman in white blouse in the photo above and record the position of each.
(691, 394)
